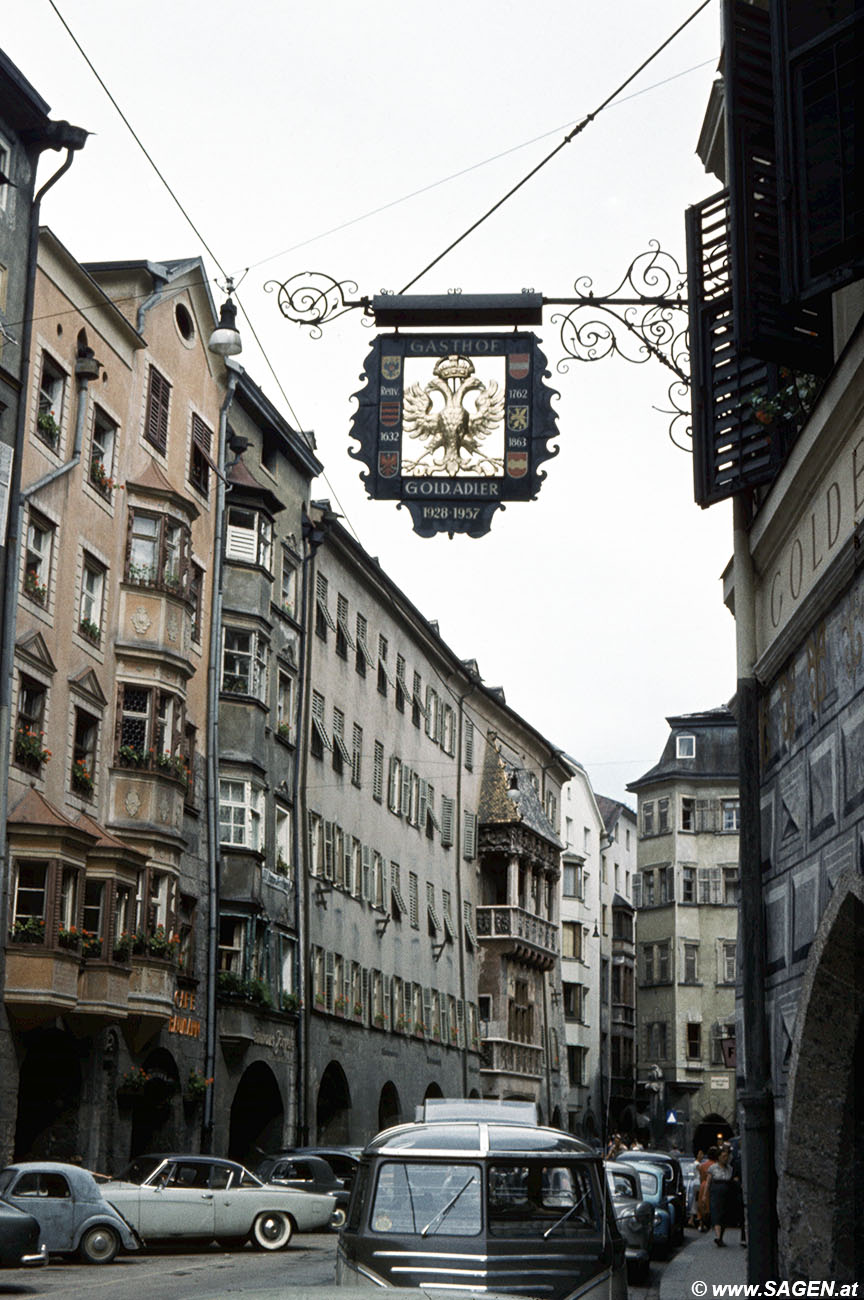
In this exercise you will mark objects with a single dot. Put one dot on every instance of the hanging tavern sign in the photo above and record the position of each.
(454, 426)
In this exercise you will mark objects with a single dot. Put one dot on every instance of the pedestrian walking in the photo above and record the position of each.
(721, 1201)
(703, 1212)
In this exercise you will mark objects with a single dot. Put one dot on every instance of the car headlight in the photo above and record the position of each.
(658, 1217)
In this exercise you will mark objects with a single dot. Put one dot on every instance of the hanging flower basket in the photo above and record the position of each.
(197, 1085)
(48, 427)
(29, 747)
(69, 937)
(82, 780)
(133, 1082)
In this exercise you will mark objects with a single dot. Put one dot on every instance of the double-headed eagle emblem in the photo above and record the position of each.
(452, 434)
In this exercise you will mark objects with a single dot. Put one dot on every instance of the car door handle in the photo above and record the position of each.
(206, 1196)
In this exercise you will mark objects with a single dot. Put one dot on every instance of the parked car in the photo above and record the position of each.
(73, 1215)
(207, 1198)
(344, 1161)
(19, 1238)
(673, 1184)
(635, 1216)
(651, 1183)
(306, 1174)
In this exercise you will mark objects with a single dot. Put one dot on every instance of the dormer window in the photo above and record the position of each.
(685, 747)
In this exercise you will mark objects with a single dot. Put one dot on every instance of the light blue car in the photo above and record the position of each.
(651, 1178)
(73, 1216)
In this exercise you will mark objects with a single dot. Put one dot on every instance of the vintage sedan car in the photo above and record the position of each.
(19, 1238)
(73, 1216)
(653, 1191)
(306, 1174)
(207, 1198)
(635, 1217)
(673, 1186)
(344, 1161)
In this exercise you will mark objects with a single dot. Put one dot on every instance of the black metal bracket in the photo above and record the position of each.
(645, 317)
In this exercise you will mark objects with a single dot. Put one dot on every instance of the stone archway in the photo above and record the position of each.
(257, 1116)
(333, 1108)
(49, 1098)
(389, 1107)
(819, 1236)
(711, 1130)
(155, 1119)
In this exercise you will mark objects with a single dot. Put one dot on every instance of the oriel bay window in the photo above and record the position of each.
(29, 898)
(151, 729)
(158, 552)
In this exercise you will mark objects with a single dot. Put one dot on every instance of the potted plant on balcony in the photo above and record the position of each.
(142, 574)
(69, 937)
(82, 780)
(380, 1019)
(129, 756)
(28, 929)
(48, 427)
(123, 946)
(89, 629)
(100, 477)
(162, 944)
(91, 943)
(29, 748)
(340, 1006)
(35, 589)
(283, 730)
(289, 1002)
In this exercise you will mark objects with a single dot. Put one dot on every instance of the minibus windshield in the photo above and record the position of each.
(539, 1199)
(427, 1199)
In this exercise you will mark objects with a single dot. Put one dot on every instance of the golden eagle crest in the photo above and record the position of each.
(452, 434)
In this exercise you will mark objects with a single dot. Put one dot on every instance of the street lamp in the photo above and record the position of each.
(225, 339)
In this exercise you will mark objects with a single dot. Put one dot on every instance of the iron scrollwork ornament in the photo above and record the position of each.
(312, 299)
(644, 317)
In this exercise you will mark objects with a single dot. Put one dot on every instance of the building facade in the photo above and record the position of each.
(432, 864)
(686, 898)
(775, 265)
(618, 863)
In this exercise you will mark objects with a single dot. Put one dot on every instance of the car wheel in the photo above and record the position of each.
(99, 1245)
(338, 1217)
(272, 1231)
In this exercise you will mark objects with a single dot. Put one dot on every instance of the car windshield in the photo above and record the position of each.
(650, 1182)
(623, 1184)
(141, 1168)
(427, 1199)
(6, 1181)
(540, 1199)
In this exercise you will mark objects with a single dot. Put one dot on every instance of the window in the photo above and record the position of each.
(570, 878)
(150, 720)
(666, 877)
(433, 713)
(693, 1044)
(52, 393)
(685, 746)
(691, 963)
(249, 537)
(469, 744)
(379, 880)
(102, 452)
(655, 1040)
(730, 815)
(730, 885)
(647, 888)
(448, 731)
(413, 900)
(688, 884)
(28, 901)
(709, 882)
(319, 737)
(577, 1058)
(469, 835)
(244, 663)
(232, 936)
(356, 754)
(343, 636)
(723, 1044)
(648, 818)
(397, 900)
(571, 940)
(363, 655)
(637, 889)
(401, 687)
(92, 592)
(288, 593)
(284, 706)
(378, 772)
(38, 558)
(199, 456)
(156, 418)
(93, 916)
(323, 617)
(157, 551)
(662, 816)
(240, 805)
(655, 963)
(84, 736)
(382, 665)
(341, 753)
(728, 955)
(574, 1001)
(29, 734)
(417, 706)
(688, 813)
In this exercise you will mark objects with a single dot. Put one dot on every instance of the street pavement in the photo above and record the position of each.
(701, 1261)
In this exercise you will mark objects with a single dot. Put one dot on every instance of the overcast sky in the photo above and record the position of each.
(597, 607)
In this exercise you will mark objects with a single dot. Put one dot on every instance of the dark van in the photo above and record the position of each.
(475, 1204)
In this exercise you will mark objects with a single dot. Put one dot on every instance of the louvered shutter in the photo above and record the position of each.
(732, 449)
(405, 791)
(328, 850)
(393, 785)
(447, 809)
(796, 335)
(366, 863)
(819, 71)
(386, 1004)
(364, 1015)
(156, 419)
(329, 967)
(423, 794)
(311, 819)
(460, 1022)
(427, 1012)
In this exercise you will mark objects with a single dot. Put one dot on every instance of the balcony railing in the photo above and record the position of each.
(504, 1056)
(533, 934)
(622, 1014)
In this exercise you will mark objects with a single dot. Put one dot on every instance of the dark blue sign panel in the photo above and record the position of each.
(454, 426)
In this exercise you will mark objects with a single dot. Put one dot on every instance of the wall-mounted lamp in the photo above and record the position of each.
(596, 931)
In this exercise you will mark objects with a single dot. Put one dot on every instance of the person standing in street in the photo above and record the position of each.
(720, 1198)
(703, 1212)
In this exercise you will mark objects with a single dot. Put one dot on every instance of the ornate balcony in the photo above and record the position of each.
(504, 1056)
(519, 934)
(41, 982)
(151, 994)
(144, 795)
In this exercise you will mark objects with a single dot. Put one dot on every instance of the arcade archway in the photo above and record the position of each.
(389, 1110)
(333, 1108)
(49, 1098)
(257, 1116)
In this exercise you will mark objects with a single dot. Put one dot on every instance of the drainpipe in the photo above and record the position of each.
(86, 368)
(58, 135)
(213, 859)
(755, 1098)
